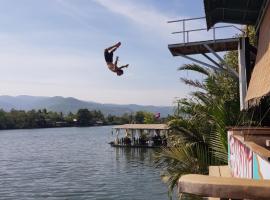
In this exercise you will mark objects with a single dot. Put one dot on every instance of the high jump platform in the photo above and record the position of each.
(210, 49)
(213, 46)
(200, 47)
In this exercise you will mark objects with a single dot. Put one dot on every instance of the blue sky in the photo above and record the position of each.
(55, 48)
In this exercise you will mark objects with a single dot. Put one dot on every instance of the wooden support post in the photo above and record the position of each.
(222, 62)
(242, 64)
(199, 62)
(212, 60)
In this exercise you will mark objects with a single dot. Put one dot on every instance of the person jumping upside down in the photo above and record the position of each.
(108, 54)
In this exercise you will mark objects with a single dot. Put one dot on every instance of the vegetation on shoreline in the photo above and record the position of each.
(20, 119)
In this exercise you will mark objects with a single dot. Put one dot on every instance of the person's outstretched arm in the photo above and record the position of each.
(124, 66)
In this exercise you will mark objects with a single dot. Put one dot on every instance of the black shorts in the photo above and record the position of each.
(108, 56)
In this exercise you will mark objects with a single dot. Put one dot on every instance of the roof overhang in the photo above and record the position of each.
(143, 126)
(233, 11)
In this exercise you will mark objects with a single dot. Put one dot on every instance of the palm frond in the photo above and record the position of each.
(196, 83)
(195, 68)
(199, 136)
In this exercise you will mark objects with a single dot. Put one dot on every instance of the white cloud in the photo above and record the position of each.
(146, 17)
(77, 14)
(155, 21)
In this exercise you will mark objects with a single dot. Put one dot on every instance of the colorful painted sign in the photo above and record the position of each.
(240, 158)
(244, 163)
(261, 168)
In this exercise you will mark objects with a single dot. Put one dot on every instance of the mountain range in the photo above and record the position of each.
(70, 104)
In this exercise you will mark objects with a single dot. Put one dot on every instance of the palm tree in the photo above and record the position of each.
(198, 129)
(199, 136)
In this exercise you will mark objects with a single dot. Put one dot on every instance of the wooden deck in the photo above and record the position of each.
(192, 48)
(224, 188)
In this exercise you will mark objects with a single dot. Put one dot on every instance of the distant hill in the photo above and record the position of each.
(70, 104)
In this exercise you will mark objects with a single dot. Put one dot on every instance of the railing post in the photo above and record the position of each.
(214, 33)
(184, 34)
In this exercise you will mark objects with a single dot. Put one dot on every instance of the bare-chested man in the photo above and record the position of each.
(108, 54)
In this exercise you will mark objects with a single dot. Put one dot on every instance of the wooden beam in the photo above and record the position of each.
(199, 62)
(242, 64)
(231, 70)
(211, 59)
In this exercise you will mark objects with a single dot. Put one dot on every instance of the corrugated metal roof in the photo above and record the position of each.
(143, 126)
(232, 11)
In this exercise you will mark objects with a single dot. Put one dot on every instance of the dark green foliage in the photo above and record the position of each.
(84, 117)
(139, 117)
(142, 117)
(19, 119)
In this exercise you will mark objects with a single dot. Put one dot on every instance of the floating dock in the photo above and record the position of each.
(140, 136)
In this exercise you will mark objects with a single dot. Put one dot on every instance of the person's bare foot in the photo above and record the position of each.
(118, 44)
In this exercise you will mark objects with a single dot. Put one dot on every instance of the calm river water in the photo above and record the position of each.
(75, 163)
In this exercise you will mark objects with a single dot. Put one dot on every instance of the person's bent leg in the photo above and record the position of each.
(114, 47)
(116, 60)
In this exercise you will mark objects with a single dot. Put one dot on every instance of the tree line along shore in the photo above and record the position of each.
(42, 118)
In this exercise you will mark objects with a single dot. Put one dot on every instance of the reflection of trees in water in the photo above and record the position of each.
(144, 155)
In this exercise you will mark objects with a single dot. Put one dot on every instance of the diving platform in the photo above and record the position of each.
(192, 48)
(207, 48)
(210, 49)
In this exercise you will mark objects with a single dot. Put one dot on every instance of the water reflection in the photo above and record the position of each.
(143, 155)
